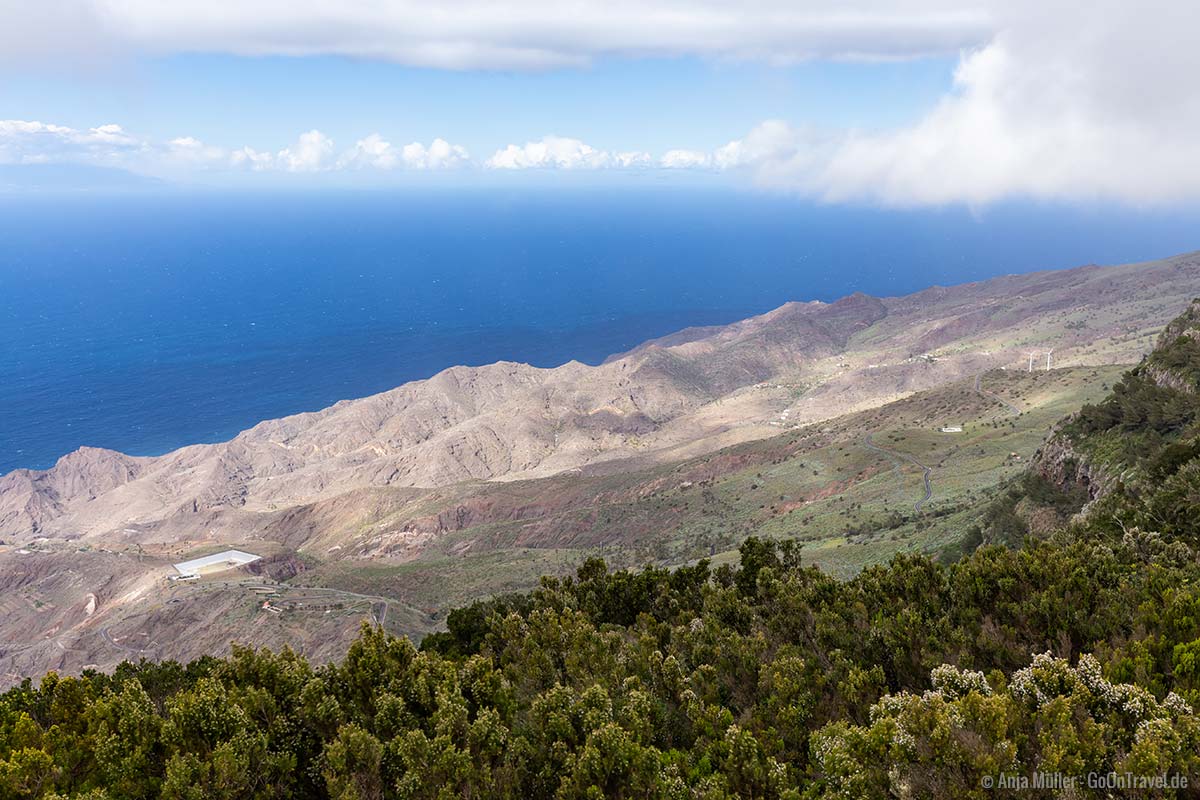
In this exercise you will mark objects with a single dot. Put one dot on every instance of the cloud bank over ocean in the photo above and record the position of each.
(1049, 100)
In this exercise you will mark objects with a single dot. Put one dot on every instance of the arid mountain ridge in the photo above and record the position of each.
(685, 394)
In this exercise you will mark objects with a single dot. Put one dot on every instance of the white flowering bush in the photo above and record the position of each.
(1048, 678)
(954, 683)
(1043, 680)
(1051, 717)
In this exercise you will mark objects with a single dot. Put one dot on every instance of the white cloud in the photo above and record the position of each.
(557, 152)
(32, 142)
(520, 34)
(29, 142)
(1051, 99)
(633, 159)
(20, 127)
(372, 151)
(1058, 104)
(252, 159)
(376, 152)
(111, 134)
(772, 141)
(439, 155)
(23, 141)
(311, 153)
(191, 151)
(685, 159)
(1066, 102)
(550, 152)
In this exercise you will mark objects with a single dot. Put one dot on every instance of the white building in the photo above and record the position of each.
(952, 429)
(217, 562)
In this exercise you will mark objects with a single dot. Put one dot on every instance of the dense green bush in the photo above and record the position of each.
(769, 679)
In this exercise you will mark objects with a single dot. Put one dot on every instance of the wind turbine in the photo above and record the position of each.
(1048, 354)
(1032, 356)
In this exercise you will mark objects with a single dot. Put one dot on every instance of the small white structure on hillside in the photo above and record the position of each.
(217, 562)
(952, 429)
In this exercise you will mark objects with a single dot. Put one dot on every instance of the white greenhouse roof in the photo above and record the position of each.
(223, 560)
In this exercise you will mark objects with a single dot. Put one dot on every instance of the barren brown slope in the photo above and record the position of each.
(70, 610)
(669, 399)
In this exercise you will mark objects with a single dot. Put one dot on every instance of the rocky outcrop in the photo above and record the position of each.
(31, 501)
(1059, 462)
(1186, 324)
(1169, 365)
(280, 567)
(1167, 379)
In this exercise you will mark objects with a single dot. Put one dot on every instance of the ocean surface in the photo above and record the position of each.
(144, 321)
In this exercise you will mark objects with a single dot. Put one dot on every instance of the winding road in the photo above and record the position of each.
(896, 457)
(380, 616)
(152, 652)
(1012, 409)
(379, 612)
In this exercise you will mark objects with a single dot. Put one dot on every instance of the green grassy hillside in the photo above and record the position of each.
(851, 502)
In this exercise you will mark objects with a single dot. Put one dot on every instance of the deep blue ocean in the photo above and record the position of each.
(145, 321)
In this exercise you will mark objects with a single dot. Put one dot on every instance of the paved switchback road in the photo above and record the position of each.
(1012, 409)
(896, 457)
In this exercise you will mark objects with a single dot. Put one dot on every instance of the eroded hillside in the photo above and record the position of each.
(685, 395)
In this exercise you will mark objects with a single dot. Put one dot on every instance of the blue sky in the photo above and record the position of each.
(894, 102)
(617, 104)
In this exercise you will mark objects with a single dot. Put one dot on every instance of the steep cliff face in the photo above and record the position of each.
(1151, 415)
(1059, 462)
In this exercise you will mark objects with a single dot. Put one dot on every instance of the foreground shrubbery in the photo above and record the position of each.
(768, 680)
